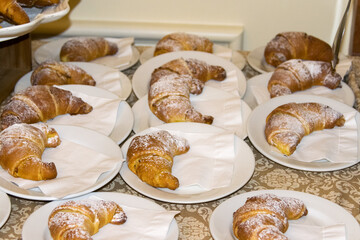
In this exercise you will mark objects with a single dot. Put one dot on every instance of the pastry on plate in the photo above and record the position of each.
(180, 41)
(265, 217)
(296, 45)
(287, 124)
(21, 149)
(40, 103)
(81, 219)
(151, 157)
(298, 75)
(86, 49)
(171, 85)
(60, 73)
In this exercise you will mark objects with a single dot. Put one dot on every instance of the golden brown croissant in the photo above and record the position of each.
(86, 49)
(296, 45)
(298, 75)
(171, 85)
(21, 149)
(289, 123)
(13, 12)
(37, 3)
(183, 42)
(265, 217)
(80, 219)
(41, 103)
(150, 157)
(59, 73)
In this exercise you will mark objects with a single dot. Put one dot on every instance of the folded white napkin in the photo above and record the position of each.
(261, 93)
(78, 168)
(339, 144)
(108, 80)
(122, 57)
(144, 224)
(224, 107)
(101, 119)
(312, 232)
(208, 164)
(230, 84)
(222, 51)
(343, 66)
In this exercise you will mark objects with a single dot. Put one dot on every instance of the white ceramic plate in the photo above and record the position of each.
(322, 212)
(256, 128)
(85, 137)
(343, 94)
(5, 208)
(236, 57)
(141, 77)
(144, 118)
(257, 61)
(35, 227)
(125, 117)
(243, 170)
(37, 17)
(97, 71)
(51, 51)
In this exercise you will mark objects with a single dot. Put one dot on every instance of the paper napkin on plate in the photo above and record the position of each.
(339, 144)
(123, 55)
(208, 164)
(312, 232)
(144, 224)
(78, 168)
(109, 80)
(229, 84)
(262, 94)
(101, 119)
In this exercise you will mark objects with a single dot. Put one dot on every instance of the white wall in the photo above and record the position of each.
(252, 22)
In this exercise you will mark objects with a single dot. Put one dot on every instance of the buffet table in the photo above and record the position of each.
(341, 187)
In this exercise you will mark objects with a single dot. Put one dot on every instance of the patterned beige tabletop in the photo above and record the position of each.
(341, 187)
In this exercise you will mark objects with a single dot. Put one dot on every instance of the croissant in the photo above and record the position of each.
(151, 157)
(296, 45)
(289, 123)
(298, 75)
(41, 103)
(265, 217)
(171, 85)
(13, 12)
(83, 218)
(182, 42)
(59, 73)
(86, 49)
(37, 3)
(21, 149)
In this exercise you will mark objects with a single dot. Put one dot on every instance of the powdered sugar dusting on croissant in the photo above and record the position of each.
(266, 216)
(298, 75)
(80, 219)
(287, 124)
(180, 41)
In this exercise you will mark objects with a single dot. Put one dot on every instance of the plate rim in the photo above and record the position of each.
(5, 199)
(189, 198)
(273, 103)
(138, 79)
(281, 192)
(173, 228)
